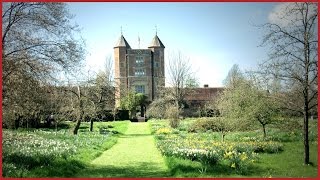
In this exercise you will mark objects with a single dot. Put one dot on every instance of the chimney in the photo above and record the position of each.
(206, 85)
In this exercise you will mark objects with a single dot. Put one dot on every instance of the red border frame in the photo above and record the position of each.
(151, 1)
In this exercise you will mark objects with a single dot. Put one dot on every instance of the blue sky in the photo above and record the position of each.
(213, 35)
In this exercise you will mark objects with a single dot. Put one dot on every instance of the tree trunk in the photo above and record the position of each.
(91, 125)
(77, 126)
(56, 126)
(222, 133)
(264, 131)
(306, 136)
(306, 93)
(142, 111)
(17, 123)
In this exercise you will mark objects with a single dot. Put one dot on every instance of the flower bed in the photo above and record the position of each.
(23, 151)
(200, 147)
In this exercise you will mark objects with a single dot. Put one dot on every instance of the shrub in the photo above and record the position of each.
(157, 109)
(288, 124)
(173, 113)
(203, 125)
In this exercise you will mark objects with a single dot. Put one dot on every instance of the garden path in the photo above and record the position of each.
(134, 155)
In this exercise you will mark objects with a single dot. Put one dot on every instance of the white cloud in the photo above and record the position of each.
(287, 14)
(280, 14)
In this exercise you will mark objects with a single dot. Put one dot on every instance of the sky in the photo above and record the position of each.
(214, 36)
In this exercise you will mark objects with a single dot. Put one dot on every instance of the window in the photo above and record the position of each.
(139, 72)
(156, 64)
(140, 89)
(139, 60)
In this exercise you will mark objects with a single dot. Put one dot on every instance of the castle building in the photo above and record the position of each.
(139, 70)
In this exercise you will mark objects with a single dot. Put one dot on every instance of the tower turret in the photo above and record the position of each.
(158, 65)
(120, 65)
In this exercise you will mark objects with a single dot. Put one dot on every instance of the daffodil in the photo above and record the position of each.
(233, 165)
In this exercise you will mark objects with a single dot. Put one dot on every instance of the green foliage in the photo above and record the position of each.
(244, 101)
(202, 125)
(131, 101)
(214, 124)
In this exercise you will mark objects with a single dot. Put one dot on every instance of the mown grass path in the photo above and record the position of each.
(134, 155)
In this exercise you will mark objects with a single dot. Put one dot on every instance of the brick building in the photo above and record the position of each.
(199, 96)
(140, 70)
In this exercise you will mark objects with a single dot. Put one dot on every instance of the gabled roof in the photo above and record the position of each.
(122, 42)
(156, 42)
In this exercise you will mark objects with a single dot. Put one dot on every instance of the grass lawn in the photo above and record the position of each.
(289, 163)
(47, 153)
(125, 149)
(135, 155)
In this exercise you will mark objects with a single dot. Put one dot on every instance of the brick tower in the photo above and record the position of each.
(139, 70)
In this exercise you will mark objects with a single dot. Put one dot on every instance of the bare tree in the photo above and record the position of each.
(293, 42)
(37, 42)
(96, 96)
(234, 77)
(179, 71)
(39, 36)
(100, 93)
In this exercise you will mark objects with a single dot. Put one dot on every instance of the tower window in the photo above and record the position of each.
(140, 89)
(156, 64)
(139, 72)
(139, 60)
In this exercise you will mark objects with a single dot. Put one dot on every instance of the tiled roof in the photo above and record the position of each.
(122, 42)
(156, 42)
(202, 94)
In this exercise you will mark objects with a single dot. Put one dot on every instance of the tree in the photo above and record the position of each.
(101, 95)
(293, 40)
(76, 100)
(262, 109)
(157, 109)
(244, 102)
(39, 36)
(131, 101)
(234, 77)
(179, 71)
(80, 97)
(24, 107)
(142, 102)
(172, 113)
(37, 42)
(192, 82)
(224, 125)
